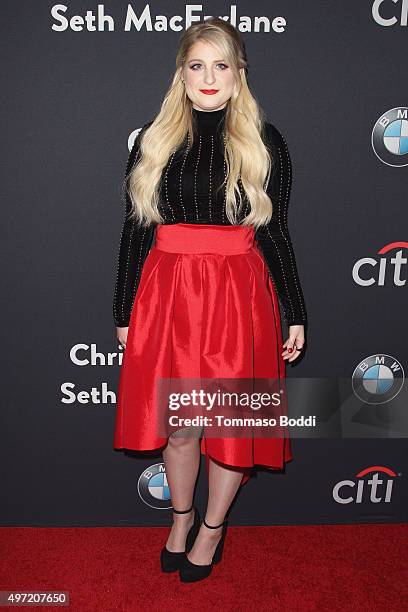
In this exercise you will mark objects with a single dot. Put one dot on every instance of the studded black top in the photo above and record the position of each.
(188, 194)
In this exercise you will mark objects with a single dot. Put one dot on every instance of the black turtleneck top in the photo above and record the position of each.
(188, 194)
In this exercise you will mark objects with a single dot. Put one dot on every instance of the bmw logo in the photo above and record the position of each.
(378, 379)
(153, 488)
(389, 138)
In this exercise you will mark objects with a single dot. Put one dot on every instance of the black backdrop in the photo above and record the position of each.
(73, 99)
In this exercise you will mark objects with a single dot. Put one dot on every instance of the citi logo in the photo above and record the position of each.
(390, 15)
(384, 268)
(377, 489)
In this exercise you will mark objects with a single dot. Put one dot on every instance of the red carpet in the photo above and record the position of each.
(301, 568)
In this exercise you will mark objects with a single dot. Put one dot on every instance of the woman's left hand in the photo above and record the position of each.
(294, 344)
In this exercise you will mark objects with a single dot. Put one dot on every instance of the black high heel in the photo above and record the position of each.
(172, 561)
(191, 572)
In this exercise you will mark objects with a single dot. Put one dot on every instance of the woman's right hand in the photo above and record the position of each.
(122, 333)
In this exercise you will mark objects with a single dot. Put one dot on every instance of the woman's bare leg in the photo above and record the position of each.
(222, 488)
(182, 460)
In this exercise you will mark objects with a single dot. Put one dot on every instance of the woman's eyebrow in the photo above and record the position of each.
(200, 60)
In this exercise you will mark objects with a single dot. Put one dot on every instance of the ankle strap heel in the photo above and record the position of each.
(183, 511)
(190, 572)
(172, 561)
(220, 546)
(213, 526)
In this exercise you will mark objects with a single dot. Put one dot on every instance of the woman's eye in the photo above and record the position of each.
(193, 66)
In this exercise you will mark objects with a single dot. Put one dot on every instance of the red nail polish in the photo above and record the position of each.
(289, 350)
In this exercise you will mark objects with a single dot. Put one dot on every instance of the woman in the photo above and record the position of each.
(209, 180)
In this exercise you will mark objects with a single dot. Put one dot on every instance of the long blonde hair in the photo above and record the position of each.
(247, 159)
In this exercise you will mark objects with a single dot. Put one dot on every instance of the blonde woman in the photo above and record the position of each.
(205, 263)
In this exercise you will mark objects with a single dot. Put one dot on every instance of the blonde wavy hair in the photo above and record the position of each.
(247, 158)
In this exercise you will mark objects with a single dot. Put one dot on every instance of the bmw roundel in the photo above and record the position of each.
(378, 379)
(389, 137)
(153, 488)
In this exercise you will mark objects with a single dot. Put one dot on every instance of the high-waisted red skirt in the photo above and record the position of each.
(205, 307)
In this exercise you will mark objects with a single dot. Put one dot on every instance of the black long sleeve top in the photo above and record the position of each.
(188, 194)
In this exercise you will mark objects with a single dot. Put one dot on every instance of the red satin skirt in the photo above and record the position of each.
(205, 307)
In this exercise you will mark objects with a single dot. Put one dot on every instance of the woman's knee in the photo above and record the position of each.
(187, 436)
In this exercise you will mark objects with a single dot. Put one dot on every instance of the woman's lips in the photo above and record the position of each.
(209, 92)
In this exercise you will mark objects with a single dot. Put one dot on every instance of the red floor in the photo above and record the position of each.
(301, 568)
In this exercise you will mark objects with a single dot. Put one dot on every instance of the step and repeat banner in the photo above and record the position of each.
(81, 78)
